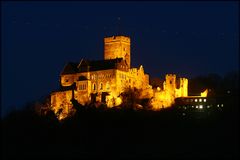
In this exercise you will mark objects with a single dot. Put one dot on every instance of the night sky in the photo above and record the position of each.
(185, 38)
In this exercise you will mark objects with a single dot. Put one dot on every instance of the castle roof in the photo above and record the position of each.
(88, 66)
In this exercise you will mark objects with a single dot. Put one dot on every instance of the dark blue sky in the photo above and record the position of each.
(186, 38)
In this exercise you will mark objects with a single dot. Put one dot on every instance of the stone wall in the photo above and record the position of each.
(165, 97)
(118, 47)
(61, 103)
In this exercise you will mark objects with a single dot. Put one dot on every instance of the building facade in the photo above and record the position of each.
(104, 80)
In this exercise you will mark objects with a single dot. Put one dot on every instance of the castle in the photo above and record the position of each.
(104, 80)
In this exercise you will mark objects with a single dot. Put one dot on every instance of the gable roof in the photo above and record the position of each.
(88, 66)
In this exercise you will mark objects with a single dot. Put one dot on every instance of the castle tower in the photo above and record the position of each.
(184, 87)
(170, 83)
(117, 47)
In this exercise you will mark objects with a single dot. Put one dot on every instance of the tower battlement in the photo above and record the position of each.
(117, 38)
(171, 75)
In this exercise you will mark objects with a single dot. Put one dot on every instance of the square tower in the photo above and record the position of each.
(170, 83)
(117, 47)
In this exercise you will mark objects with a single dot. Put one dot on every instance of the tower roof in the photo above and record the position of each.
(87, 66)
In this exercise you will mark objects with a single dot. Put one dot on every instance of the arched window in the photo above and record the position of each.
(101, 86)
(94, 87)
(107, 86)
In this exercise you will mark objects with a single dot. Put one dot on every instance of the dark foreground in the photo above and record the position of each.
(122, 134)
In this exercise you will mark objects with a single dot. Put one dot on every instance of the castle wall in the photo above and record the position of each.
(162, 99)
(69, 79)
(82, 94)
(165, 98)
(61, 101)
(122, 81)
(103, 81)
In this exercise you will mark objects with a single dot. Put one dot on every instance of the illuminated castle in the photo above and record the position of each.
(104, 80)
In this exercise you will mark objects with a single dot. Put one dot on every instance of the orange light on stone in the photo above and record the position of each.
(105, 85)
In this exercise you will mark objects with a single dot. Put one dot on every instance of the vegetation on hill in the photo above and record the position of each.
(127, 131)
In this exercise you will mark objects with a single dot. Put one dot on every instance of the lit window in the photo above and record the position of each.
(200, 100)
(201, 107)
(218, 105)
(208, 106)
(196, 106)
(195, 100)
(107, 86)
(204, 100)
(221, 105)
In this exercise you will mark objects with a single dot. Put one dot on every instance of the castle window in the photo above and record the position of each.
(107, 86)
(170, 82)
(82, 87)
(94, 87)
(93, 76)
(101, 86)
(66, 80)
